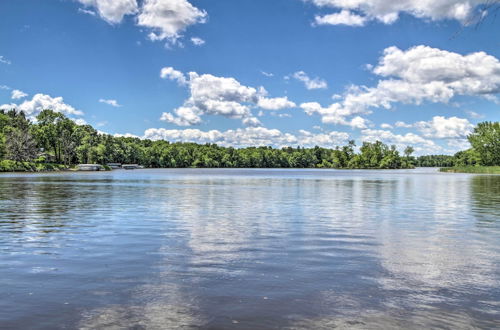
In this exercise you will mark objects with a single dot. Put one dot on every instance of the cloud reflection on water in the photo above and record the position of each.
(267, 249)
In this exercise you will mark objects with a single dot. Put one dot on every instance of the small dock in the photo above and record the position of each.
(114, 166)
(89, 167)
(131, 166)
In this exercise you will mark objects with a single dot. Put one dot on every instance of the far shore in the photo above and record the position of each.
(472, 169)
(29, 167)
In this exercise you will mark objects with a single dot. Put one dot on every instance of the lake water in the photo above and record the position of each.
(249, 249)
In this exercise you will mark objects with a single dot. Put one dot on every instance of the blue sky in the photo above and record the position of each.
(257, 72)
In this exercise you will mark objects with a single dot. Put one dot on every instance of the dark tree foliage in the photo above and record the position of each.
(16, 140)
(20, 146)
(435, 161)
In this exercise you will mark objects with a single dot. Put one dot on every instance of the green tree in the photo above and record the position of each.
(408, 151)
(49, 132)
(466, 158)
(20, 145)
(485, 140)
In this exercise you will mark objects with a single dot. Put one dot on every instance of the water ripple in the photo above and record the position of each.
(246, 249)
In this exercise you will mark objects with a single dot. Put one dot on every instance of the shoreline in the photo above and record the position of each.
(74, 169)
(50, 168)
(8, 166)
(471, 169)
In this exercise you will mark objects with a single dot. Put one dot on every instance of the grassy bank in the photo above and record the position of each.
(472, 169)
(12, 166)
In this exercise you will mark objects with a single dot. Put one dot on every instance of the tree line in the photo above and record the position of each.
(55, 139)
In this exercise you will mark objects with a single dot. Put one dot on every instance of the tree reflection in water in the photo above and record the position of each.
(485, 193)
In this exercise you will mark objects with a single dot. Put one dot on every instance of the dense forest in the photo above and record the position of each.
(55, 141)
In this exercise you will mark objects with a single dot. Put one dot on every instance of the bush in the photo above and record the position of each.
(13, 166)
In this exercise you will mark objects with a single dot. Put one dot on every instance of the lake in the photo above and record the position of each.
(249, 249)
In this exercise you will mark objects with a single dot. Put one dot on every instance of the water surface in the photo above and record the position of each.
(247, 249)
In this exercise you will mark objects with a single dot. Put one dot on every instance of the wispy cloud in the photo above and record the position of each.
(310, 83)
(474, 115)
(113, 103)
(197, 41)
(17, 94)
(4, 60)
(87, 12)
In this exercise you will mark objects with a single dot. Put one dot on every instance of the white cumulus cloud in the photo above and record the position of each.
(357, 12)
(169, 18)
(276, 103)
(419, 74)
(402, 124)
(335, 114)
(164, 19)
(310, 83)
(41, 102)
(184, 116)
(79, 121)
(386, 126)
(112, 11)
(456, 145)
(221, 96)
(344, 17)
(249, 136)
(113, 103)
(251, 122)
(444, 72)
(172, 74)
(17, 94)
(126, 135)
(445, 128)
(328, 140)
(440, 127)
(401, 141)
